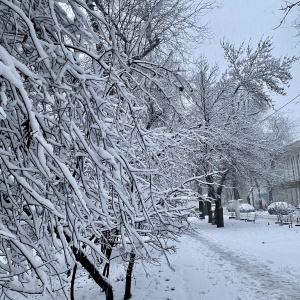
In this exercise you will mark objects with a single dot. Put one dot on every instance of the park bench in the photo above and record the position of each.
(251, 217)
(248, 217)
(297, 221)
(232, 215)
(285, 220)
(296, 216)
(243, 216)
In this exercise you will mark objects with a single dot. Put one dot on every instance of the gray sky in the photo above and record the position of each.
(239, 21)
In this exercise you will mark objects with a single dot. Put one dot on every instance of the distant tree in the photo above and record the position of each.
(227, 111)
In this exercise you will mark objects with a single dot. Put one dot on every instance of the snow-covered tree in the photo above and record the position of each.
(287, 7)
(227, 111)
(81, 162)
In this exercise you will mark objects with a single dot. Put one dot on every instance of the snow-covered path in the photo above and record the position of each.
(197, 275)
(243, 261)
(256, 279)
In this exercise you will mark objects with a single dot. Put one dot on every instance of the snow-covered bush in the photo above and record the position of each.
(283, 208)
(244, 207)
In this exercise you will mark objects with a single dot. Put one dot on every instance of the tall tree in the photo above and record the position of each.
(79, 165)
(227, 110)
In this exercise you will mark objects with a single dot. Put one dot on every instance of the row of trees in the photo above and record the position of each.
(235, 144)
(99, 130)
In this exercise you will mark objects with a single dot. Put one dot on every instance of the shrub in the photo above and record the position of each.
(283, 208)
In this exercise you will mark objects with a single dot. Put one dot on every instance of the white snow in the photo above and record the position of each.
(2, 114)
(283, 205)
(244, 207)
(243, 260)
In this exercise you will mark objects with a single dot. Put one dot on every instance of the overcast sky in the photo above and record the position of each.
(239, 21)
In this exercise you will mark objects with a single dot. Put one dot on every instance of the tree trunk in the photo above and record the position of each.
(248, 199)
(127, 294)
(252, 195)
(108, 250)
(249, 194)
(237, 209)
(201, 209)
(73, 282)
(202, 204)
(211, 196)
(90, 267)
(259, 194)
(219, 217)
(106, 268)
(270, 194)
(236, 194)
(209, 211)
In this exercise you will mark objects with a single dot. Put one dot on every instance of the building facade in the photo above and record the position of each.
(289, 189)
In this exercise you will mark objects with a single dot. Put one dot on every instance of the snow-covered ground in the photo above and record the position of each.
(243, 260)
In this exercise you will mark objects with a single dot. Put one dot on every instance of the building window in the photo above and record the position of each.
(298, 165)
(293, 169)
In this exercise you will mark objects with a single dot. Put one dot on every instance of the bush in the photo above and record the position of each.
(283, 208)
(244, 207)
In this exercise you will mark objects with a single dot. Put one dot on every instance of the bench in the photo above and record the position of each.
(248, 217)
(284, 220)
(243, 216)
(232, 216)
(251, 217)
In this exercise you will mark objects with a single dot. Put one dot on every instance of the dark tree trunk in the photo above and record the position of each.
(270, 195)
(248, 199)
(236, 194)
(209, 211)
(219, 217)
(89, 266)
(108, 250)
(248, 196)
(202, 209)
(202, 204)
(73, 282)
(127, 294)
(106, 267)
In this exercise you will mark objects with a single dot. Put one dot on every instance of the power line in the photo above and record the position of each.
(280, 108)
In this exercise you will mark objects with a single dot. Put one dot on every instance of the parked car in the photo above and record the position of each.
(244, 207)
(283, 208)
